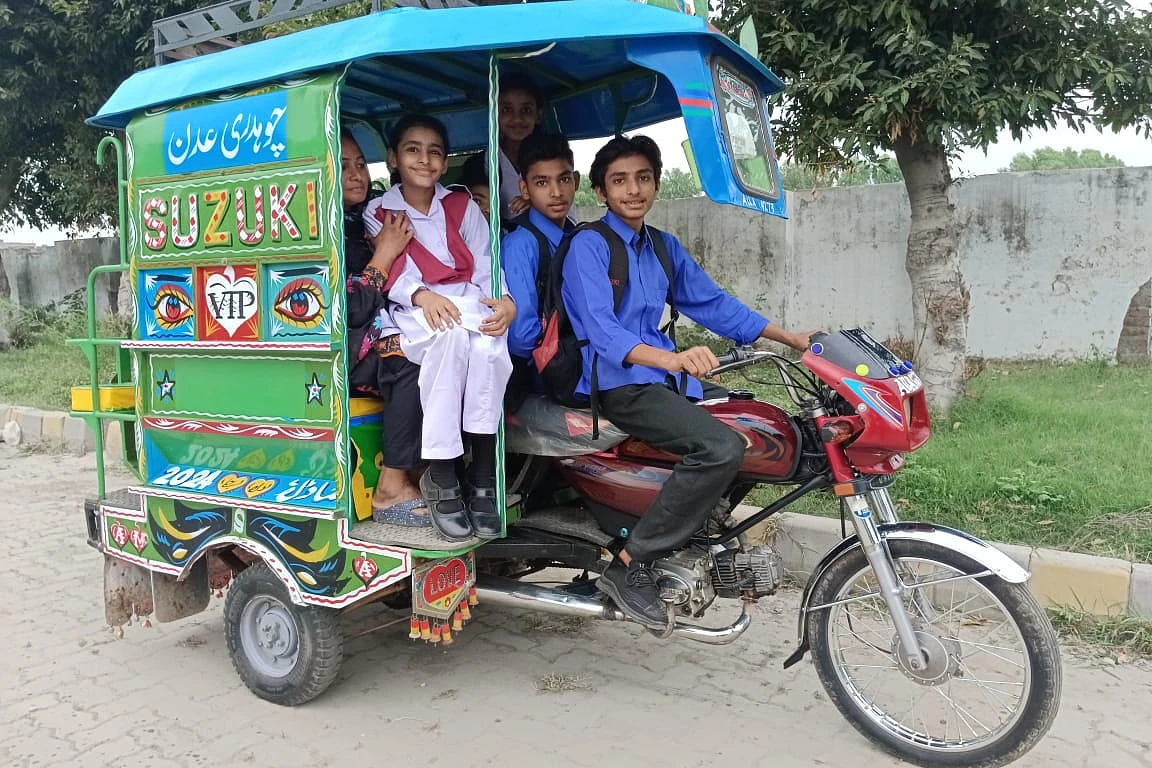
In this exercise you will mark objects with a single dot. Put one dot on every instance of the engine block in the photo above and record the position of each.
(754, 573)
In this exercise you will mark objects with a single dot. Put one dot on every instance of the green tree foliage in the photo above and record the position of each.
(59, 61)
(923, 79)
(1049, 159)
(797, 176)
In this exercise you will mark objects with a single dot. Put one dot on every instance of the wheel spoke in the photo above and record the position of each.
(977, 674)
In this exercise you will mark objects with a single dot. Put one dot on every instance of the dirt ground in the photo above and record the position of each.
(512, 691)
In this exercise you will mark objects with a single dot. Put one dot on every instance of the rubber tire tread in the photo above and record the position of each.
(1031, 621)
(321, 641)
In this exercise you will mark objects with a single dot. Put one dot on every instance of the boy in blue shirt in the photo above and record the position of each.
(639, 370)
(548, 180)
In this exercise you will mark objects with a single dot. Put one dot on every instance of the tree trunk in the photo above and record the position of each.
(939, 295)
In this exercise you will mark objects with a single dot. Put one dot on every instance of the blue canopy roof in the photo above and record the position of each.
(407, 59)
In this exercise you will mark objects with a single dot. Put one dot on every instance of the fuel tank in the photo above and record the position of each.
(630, 476)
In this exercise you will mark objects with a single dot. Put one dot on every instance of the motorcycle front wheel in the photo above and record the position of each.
(990, 686)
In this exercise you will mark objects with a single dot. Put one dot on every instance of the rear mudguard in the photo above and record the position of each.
(971, 547)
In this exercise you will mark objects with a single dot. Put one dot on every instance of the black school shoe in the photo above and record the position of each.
(633, 589)
(483, 514)
(450, 519)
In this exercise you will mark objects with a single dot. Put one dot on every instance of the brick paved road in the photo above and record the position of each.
(73, 695)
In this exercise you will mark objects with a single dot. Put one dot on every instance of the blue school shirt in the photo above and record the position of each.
(520, 257)
(612, 335)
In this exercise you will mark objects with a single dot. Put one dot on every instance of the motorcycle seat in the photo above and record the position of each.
(543, 427)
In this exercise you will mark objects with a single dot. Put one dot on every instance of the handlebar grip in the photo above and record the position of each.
(733, 355)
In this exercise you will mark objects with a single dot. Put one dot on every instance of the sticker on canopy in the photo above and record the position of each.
(227, 299)
(166, 307)
(298, 302)
(733, 86)
(245, 131)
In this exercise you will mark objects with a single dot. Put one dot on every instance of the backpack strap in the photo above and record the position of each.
(544, 264)
(660, 246)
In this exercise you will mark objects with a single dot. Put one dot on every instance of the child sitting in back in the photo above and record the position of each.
(450, 325)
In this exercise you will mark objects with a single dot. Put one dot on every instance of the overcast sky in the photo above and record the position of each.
(1131, 148)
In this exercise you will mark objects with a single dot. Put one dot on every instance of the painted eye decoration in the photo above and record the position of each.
(301, 303)
(171, 306)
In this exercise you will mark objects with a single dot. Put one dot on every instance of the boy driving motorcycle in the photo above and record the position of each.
(643, 385)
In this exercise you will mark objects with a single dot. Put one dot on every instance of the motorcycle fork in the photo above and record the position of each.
(892, 588)
(882, 505)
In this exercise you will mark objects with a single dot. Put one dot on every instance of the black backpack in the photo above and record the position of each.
(558, 354)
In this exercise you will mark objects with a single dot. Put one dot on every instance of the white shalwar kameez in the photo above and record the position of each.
(463, 372)
(509, 185)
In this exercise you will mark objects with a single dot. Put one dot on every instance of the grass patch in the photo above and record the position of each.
(1123, 638)
(40, 369)
(557, 683)
(1039, 454)
(563, 625)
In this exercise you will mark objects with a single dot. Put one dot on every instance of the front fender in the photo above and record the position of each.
(971, 547)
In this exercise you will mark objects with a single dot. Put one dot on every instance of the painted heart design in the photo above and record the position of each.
(231, 482)
(444, 581)
(119, 534)
(231, 299)
(257, 487)
(139, 538)
(283, 462)
(365, 568)
(253, 461)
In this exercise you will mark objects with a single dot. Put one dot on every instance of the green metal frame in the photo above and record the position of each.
(92, 344)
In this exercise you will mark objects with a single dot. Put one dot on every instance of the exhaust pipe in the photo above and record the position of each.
(532, 597)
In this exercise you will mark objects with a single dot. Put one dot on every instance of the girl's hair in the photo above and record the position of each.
(474, 172)
(514, 81)
(624, 146)
(408, 122)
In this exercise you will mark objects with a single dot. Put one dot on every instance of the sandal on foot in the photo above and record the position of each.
(453, 525)
(486, 523)
(410, 512)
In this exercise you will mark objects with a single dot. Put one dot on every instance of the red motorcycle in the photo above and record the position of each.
(926, 639)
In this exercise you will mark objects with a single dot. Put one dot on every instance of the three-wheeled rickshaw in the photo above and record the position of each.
(256, 465)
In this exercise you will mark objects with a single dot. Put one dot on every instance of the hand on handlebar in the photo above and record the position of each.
(800, 341)
(696, 361)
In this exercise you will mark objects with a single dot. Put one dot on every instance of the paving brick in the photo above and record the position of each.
(52, 429)
(1097, 585)
(1140, 594)
(30, 425)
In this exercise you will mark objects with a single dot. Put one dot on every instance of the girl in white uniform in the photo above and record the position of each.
(450, 324)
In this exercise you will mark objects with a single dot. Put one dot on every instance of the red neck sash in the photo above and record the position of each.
(434, 271)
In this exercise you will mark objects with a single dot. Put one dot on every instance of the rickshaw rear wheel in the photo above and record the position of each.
(285, 653)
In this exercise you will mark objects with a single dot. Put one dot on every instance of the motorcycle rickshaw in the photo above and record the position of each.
(256, 467)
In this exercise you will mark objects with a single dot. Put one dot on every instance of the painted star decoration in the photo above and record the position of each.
(315, 390)
(166, 385)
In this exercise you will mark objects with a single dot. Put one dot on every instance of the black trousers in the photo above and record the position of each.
(711, 453)
(403, 416)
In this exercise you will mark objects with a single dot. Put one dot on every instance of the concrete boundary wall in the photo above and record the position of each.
(39, 275)
(1059, 263)
(1055, 261)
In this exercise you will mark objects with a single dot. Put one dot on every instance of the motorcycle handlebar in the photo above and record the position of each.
(738, 357)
